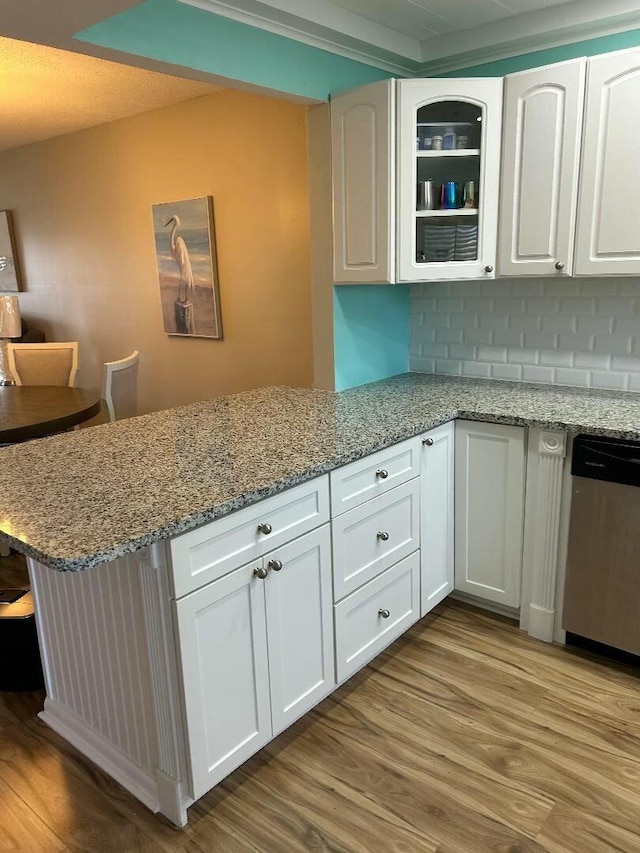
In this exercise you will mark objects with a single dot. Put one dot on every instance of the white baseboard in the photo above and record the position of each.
(484, 604)
(95, 747)
(541, 623)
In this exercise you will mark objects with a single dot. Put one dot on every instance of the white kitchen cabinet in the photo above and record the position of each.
(608, 236)
(436, 516)
(542, 129)
(489, 510)
(256, 650)
(222, 635)
(363, 174)
(449, 134)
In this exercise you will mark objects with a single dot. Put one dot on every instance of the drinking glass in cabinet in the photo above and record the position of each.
(441, 240)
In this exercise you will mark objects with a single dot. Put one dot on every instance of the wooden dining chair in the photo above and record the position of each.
(43, 364)
(120, 387)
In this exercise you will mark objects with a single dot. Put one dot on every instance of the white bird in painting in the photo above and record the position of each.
(180, 255)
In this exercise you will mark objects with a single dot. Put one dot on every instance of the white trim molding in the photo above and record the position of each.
(545, 464)
(325, 25)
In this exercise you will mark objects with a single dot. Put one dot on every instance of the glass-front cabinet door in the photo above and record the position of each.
(448, 173)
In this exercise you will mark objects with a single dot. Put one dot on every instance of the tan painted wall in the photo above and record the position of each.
(82, 210)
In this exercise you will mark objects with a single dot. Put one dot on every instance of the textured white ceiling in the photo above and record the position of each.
(46, 92)
(425, 19)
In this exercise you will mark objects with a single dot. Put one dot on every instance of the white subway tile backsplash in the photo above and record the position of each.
(476, 368)
(492, 354)
(507, 338)
(558, 323)
(583, 332)
(540, 340)
(578, 306)
(556, 358)
(449, 366)
(568, 376)
(614, 344)
(537, 374)
(592, 360)
(462, 351)
(609, 379)
(449, 336)
(506, 371)
(522, 356)
(594, 325)
(478, 337)
(464, 321)
(525, 323)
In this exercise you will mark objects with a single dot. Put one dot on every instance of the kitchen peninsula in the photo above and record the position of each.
(189, 517)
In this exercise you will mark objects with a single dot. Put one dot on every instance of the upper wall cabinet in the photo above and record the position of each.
(540, 167)
(448, 172)
(363, 166)
(608, 237)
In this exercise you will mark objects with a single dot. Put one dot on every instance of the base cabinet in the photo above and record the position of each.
(489, 510)
(436, 516)
(256, 650)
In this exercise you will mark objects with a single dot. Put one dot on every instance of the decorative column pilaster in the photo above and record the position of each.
(170, 760)
(551, 450)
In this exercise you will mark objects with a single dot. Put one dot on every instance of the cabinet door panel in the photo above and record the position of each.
(541, 154)
(436, 516)
(223, 652)
(300, 626)
(484, 97)
(363, 162)
(489, 510)
(608, 240)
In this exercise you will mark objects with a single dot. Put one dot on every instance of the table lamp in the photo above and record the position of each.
(10, 327)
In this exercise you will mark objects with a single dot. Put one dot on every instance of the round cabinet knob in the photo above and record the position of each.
(265, 528)
(559, 265)
(384, 613)
(383, 535)
(382, 474)
(428, 442)
(260, 573)
(276, 565)
(488, 268)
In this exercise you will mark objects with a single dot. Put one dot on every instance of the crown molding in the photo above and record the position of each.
(374, 45)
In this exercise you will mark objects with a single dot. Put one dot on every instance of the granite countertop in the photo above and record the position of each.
(76, 500)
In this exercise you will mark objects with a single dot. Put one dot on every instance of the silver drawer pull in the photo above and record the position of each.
(276, 565)
(260, 573)
(383, 535)
(265, 528)
(428, 442)
(559, 266)
(382, 473)
(384, 613)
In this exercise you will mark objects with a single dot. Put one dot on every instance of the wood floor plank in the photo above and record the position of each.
(76, 800)
(465, 736)
(568, 830)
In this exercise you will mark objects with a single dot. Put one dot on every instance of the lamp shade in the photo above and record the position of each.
(10, 325)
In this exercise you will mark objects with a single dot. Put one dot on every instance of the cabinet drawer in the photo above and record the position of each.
(360, 481)
(372, 537)
(207, 553)
(361, 628)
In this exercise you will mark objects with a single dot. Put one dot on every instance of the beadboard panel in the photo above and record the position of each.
(583, 332)
(96, 662)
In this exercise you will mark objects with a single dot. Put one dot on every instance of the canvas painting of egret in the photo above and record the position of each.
(187, 269)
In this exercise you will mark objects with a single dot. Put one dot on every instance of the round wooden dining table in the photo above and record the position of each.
(33, 411)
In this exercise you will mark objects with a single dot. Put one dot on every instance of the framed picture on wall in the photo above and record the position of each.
(9, 271)
(187, 268)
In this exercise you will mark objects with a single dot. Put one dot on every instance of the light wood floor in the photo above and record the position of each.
(466, 736)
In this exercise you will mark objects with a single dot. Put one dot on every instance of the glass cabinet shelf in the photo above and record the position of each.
(456, 152)
(457, 211)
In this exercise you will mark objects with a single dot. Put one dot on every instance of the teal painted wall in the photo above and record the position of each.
(183, 35)
(371, 332)
(589, 47)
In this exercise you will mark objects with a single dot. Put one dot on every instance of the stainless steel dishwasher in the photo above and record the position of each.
(602, 586)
